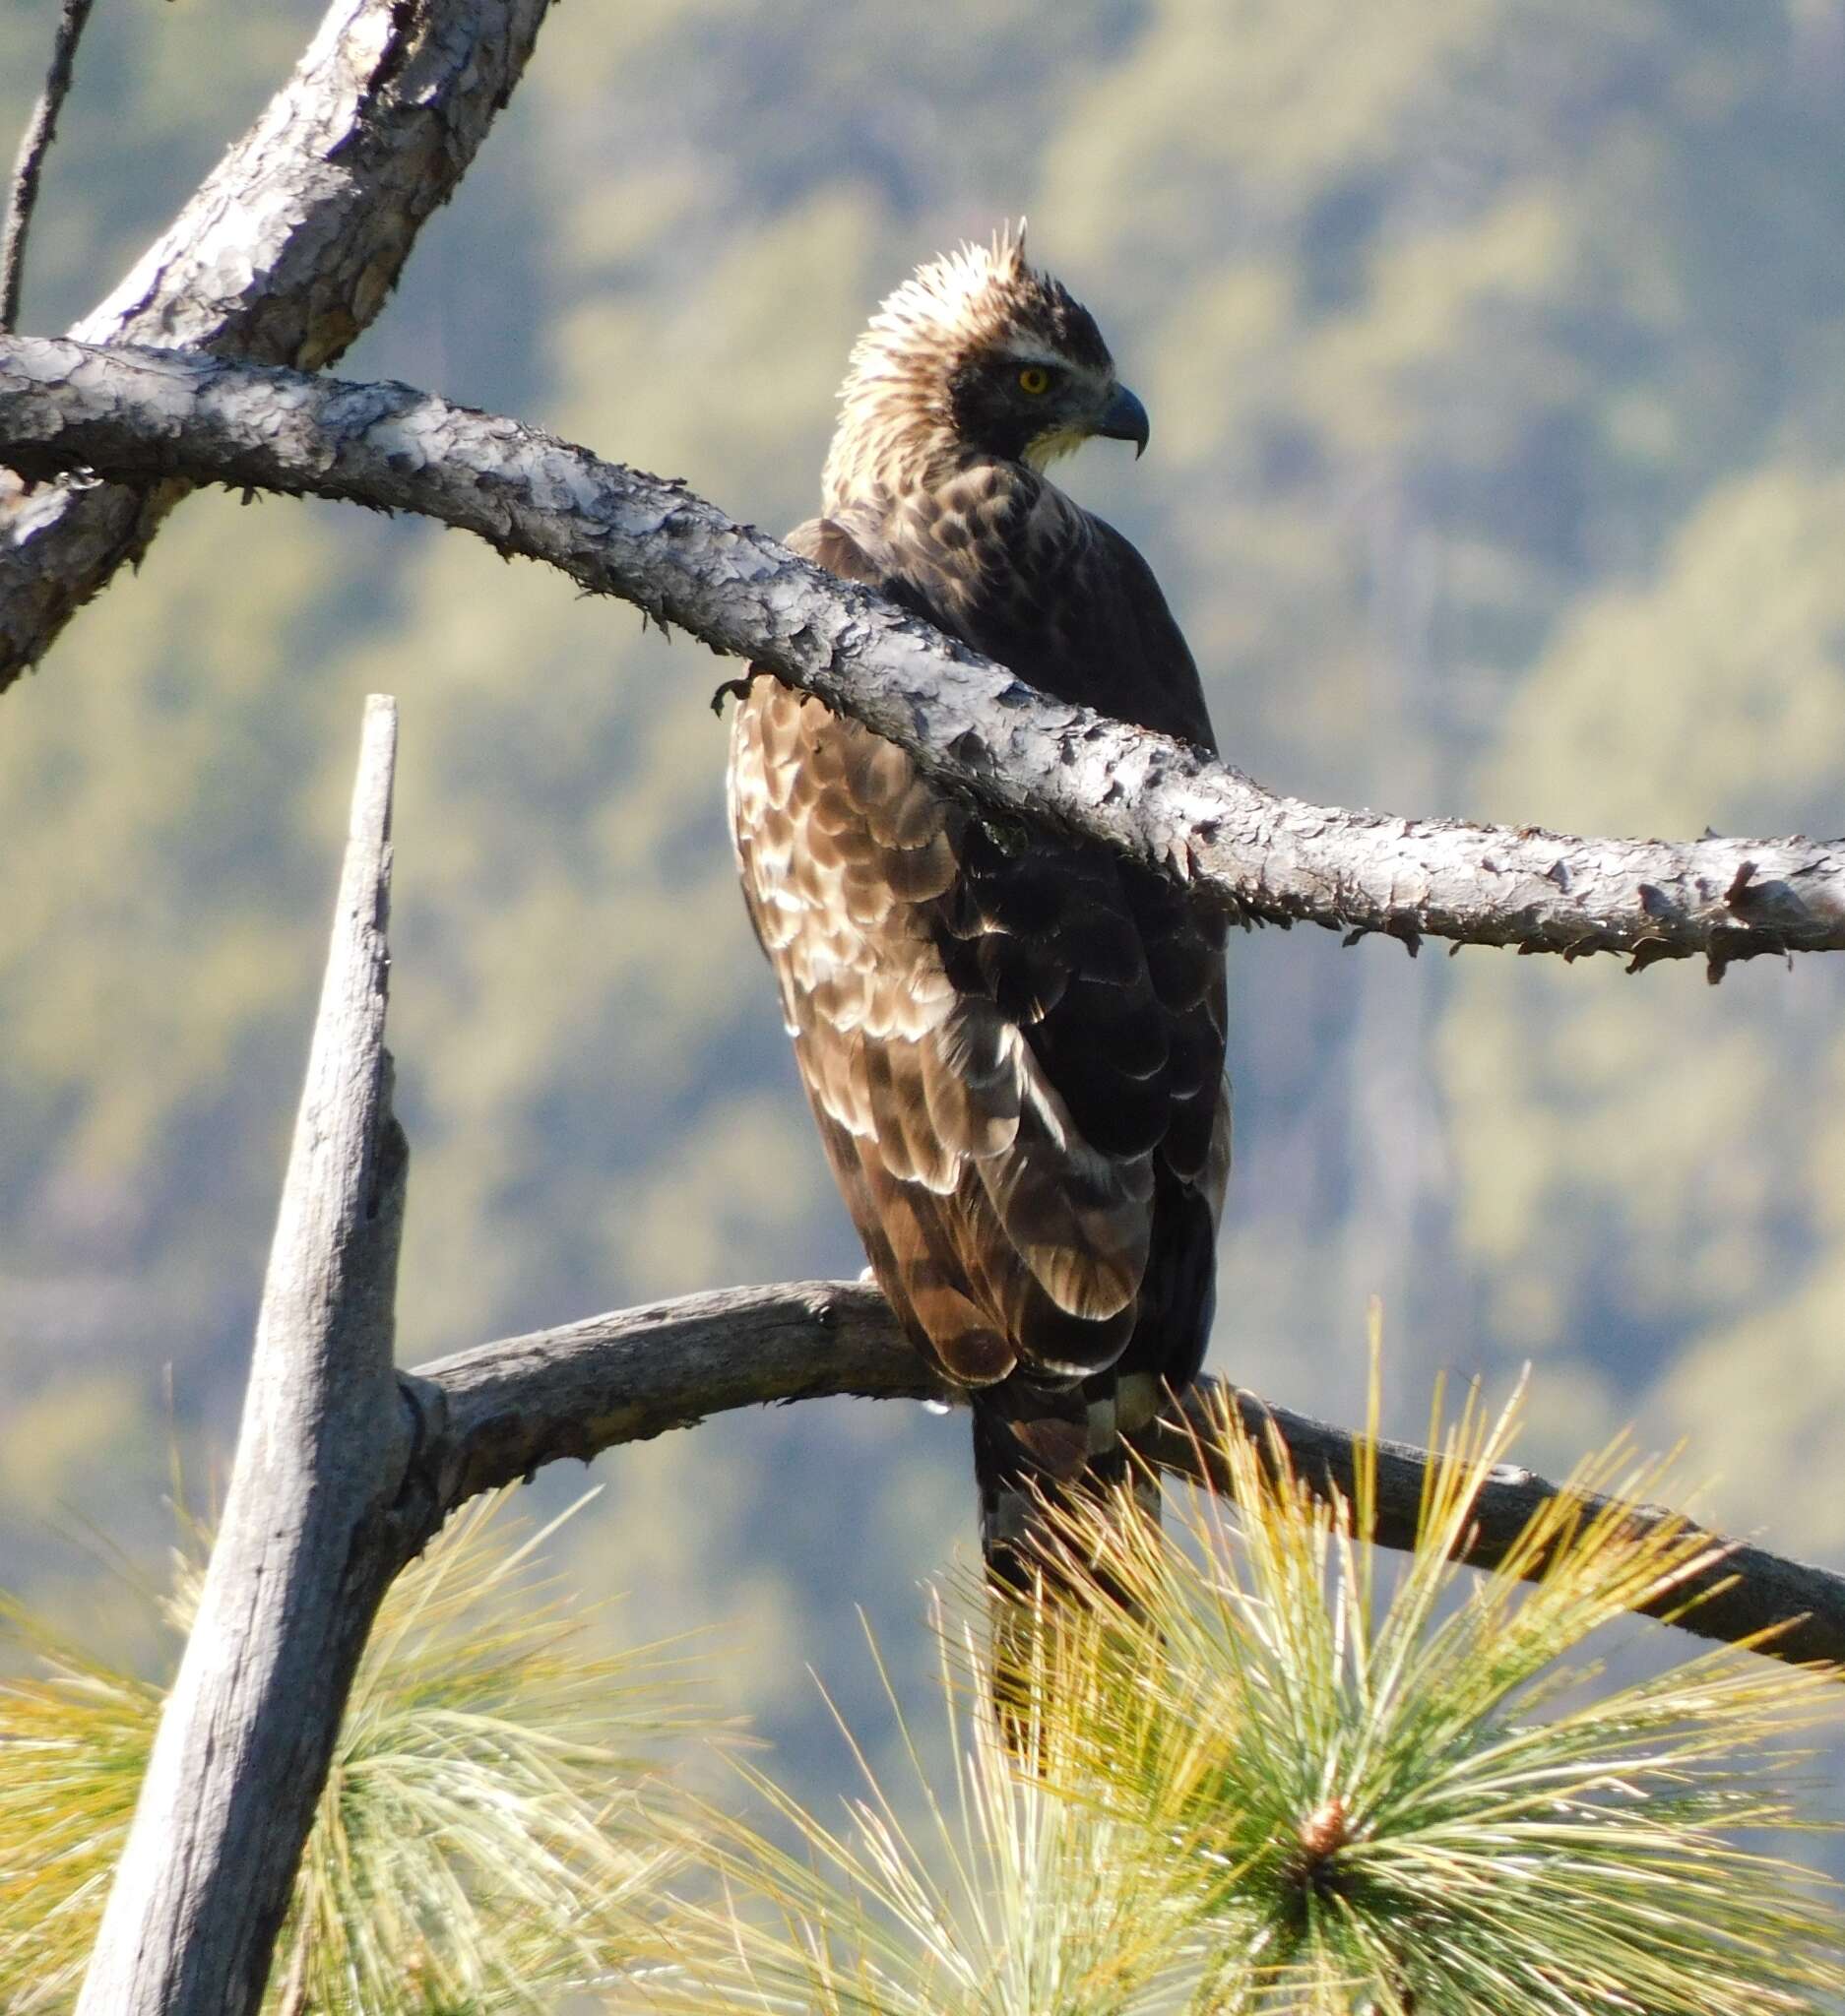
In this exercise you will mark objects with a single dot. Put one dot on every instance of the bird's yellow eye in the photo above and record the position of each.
(1034, 379)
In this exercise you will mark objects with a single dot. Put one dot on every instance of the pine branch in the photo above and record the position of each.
(283, 254)
(505, 1410)
(1266, 859)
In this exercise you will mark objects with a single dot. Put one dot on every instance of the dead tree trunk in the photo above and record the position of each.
(310, 1538)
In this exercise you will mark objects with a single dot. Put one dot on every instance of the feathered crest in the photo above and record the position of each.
(956, 298)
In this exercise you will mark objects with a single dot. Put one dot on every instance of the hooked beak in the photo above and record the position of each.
(1125, 418)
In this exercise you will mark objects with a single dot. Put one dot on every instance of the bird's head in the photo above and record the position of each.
(977, 354)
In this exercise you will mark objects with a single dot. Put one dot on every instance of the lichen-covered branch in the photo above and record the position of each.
(507, 1408)
(285, 252)
(1266, 859)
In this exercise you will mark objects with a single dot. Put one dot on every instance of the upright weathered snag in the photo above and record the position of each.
(310, 1538)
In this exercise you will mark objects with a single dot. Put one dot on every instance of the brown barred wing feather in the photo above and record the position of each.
(1001, 1235)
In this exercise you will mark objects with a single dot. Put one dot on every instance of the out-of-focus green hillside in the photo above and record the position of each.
(1494, 358)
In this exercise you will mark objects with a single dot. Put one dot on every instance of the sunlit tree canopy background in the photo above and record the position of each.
(1493, 354)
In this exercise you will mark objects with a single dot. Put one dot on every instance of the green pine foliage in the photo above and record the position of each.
(74, 1743)
(1269, 1768)
(1249, 1765)
(477, 1848)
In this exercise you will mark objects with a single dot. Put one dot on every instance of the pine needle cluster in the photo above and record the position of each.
(74, 1743)
(1270, 1773)
(1251, 1764)
(477, 1848)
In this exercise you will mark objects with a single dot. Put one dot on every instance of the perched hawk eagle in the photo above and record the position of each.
(1013, 1042)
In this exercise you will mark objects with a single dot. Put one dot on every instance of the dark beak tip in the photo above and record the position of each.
(1125, 419)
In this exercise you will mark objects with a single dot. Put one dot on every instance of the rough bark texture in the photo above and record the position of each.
(311, 1534)
(1265, 857)
(285, 252)
(509, 1407)
(501, 1412)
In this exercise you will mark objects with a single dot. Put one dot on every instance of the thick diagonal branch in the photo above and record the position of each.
(287, 251)
(512, 1406)
(1267, 858)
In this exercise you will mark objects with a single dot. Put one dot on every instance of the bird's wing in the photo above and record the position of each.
(1010, 1042)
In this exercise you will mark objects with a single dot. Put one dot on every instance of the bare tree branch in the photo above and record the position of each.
(507, 1408)
(41, 128)
(1267, 858)
(1745, 1591)
(287, 251)
(312, 1530)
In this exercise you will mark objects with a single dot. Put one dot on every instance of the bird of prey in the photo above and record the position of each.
(1013, 1042)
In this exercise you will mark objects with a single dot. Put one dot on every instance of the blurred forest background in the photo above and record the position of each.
(1493, 353)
